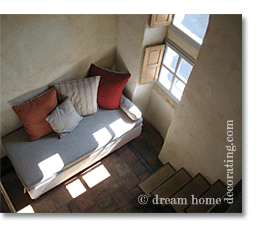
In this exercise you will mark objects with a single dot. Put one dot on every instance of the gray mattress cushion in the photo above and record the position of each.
(36, 161)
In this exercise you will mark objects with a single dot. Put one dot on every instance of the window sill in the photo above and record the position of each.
(185, 36)
(171, 100)
(182, 44)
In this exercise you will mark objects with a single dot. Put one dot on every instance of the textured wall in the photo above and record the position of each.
(133, 36)
(160, 108)
(197, 136)
(39, 49)
(130, 36)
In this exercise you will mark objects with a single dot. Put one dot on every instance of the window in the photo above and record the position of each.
(191, 27)
(175, 71)
(177, 65)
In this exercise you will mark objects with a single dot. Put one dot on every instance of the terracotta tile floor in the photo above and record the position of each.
(118, 193)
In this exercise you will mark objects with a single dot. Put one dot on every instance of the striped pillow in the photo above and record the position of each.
(82, 93)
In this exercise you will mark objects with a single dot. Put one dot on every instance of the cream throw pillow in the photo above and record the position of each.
(64, 119)
(130, 108)
(82, 93)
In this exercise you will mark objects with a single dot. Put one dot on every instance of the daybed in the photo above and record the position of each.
(44, 163)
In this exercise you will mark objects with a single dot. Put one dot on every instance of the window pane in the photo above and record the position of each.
(165, 78)
(194, 25)
(170, 58)
(184, 70)
(178, 89)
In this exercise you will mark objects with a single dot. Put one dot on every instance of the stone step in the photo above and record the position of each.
(208, 199)
(172, 185)
(183, 197)
(156, 179)
(225, 205)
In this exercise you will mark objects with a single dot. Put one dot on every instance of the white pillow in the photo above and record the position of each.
(64, 119)
(130, 108)
(82, 93)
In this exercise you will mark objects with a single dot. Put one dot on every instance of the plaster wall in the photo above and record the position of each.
(161, 107)
(160, 110)
(130, 35)
(197, 136)
(133, 36)
(37, 50)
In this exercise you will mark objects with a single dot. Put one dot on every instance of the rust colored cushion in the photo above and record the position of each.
(110, 87)
(33, 114)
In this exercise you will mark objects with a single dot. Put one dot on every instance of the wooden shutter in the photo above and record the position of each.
(151, 64)
(159, 20)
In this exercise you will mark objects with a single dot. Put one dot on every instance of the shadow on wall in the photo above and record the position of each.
(10, 121)
(78, 71)
(120, 64)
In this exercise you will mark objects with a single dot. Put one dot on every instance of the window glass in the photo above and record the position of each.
(175, 71)
(194, 25)
(178, 89)
(177, 64)
(184, 70)
(170, 59)
(165, 78)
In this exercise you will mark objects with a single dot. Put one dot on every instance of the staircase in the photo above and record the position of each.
(181, 192)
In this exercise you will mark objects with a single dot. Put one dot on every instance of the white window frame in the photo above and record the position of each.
(181, 54)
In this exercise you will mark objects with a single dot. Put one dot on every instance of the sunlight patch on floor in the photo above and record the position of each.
(75, 188)
(28, 209)
(95, 175)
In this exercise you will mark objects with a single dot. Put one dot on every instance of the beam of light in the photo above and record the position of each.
(102, 136)
(120, 128)
(75, 188)
(95, 175)
(28, 209)
(51, 165)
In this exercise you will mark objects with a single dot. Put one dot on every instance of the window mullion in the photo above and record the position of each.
(174, 74)
(178, 62)
(173, 81)
(168, 68)
(169, 88)
(181, 79)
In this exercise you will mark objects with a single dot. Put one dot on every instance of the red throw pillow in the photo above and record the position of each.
(110, 87)
(33, 114)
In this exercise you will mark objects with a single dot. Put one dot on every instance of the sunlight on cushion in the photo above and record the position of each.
(75, 188)
(27, 209)
(51, 165)
(120, 127)
(96, 175)
(102, 136)
(136, 112)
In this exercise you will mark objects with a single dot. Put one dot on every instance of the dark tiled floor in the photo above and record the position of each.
(118, 193)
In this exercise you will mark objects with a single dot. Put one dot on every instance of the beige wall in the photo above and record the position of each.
(130, 36)
(197, 136)
(160, 110)
(39, 49)
(161, 107)
(133, 36)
